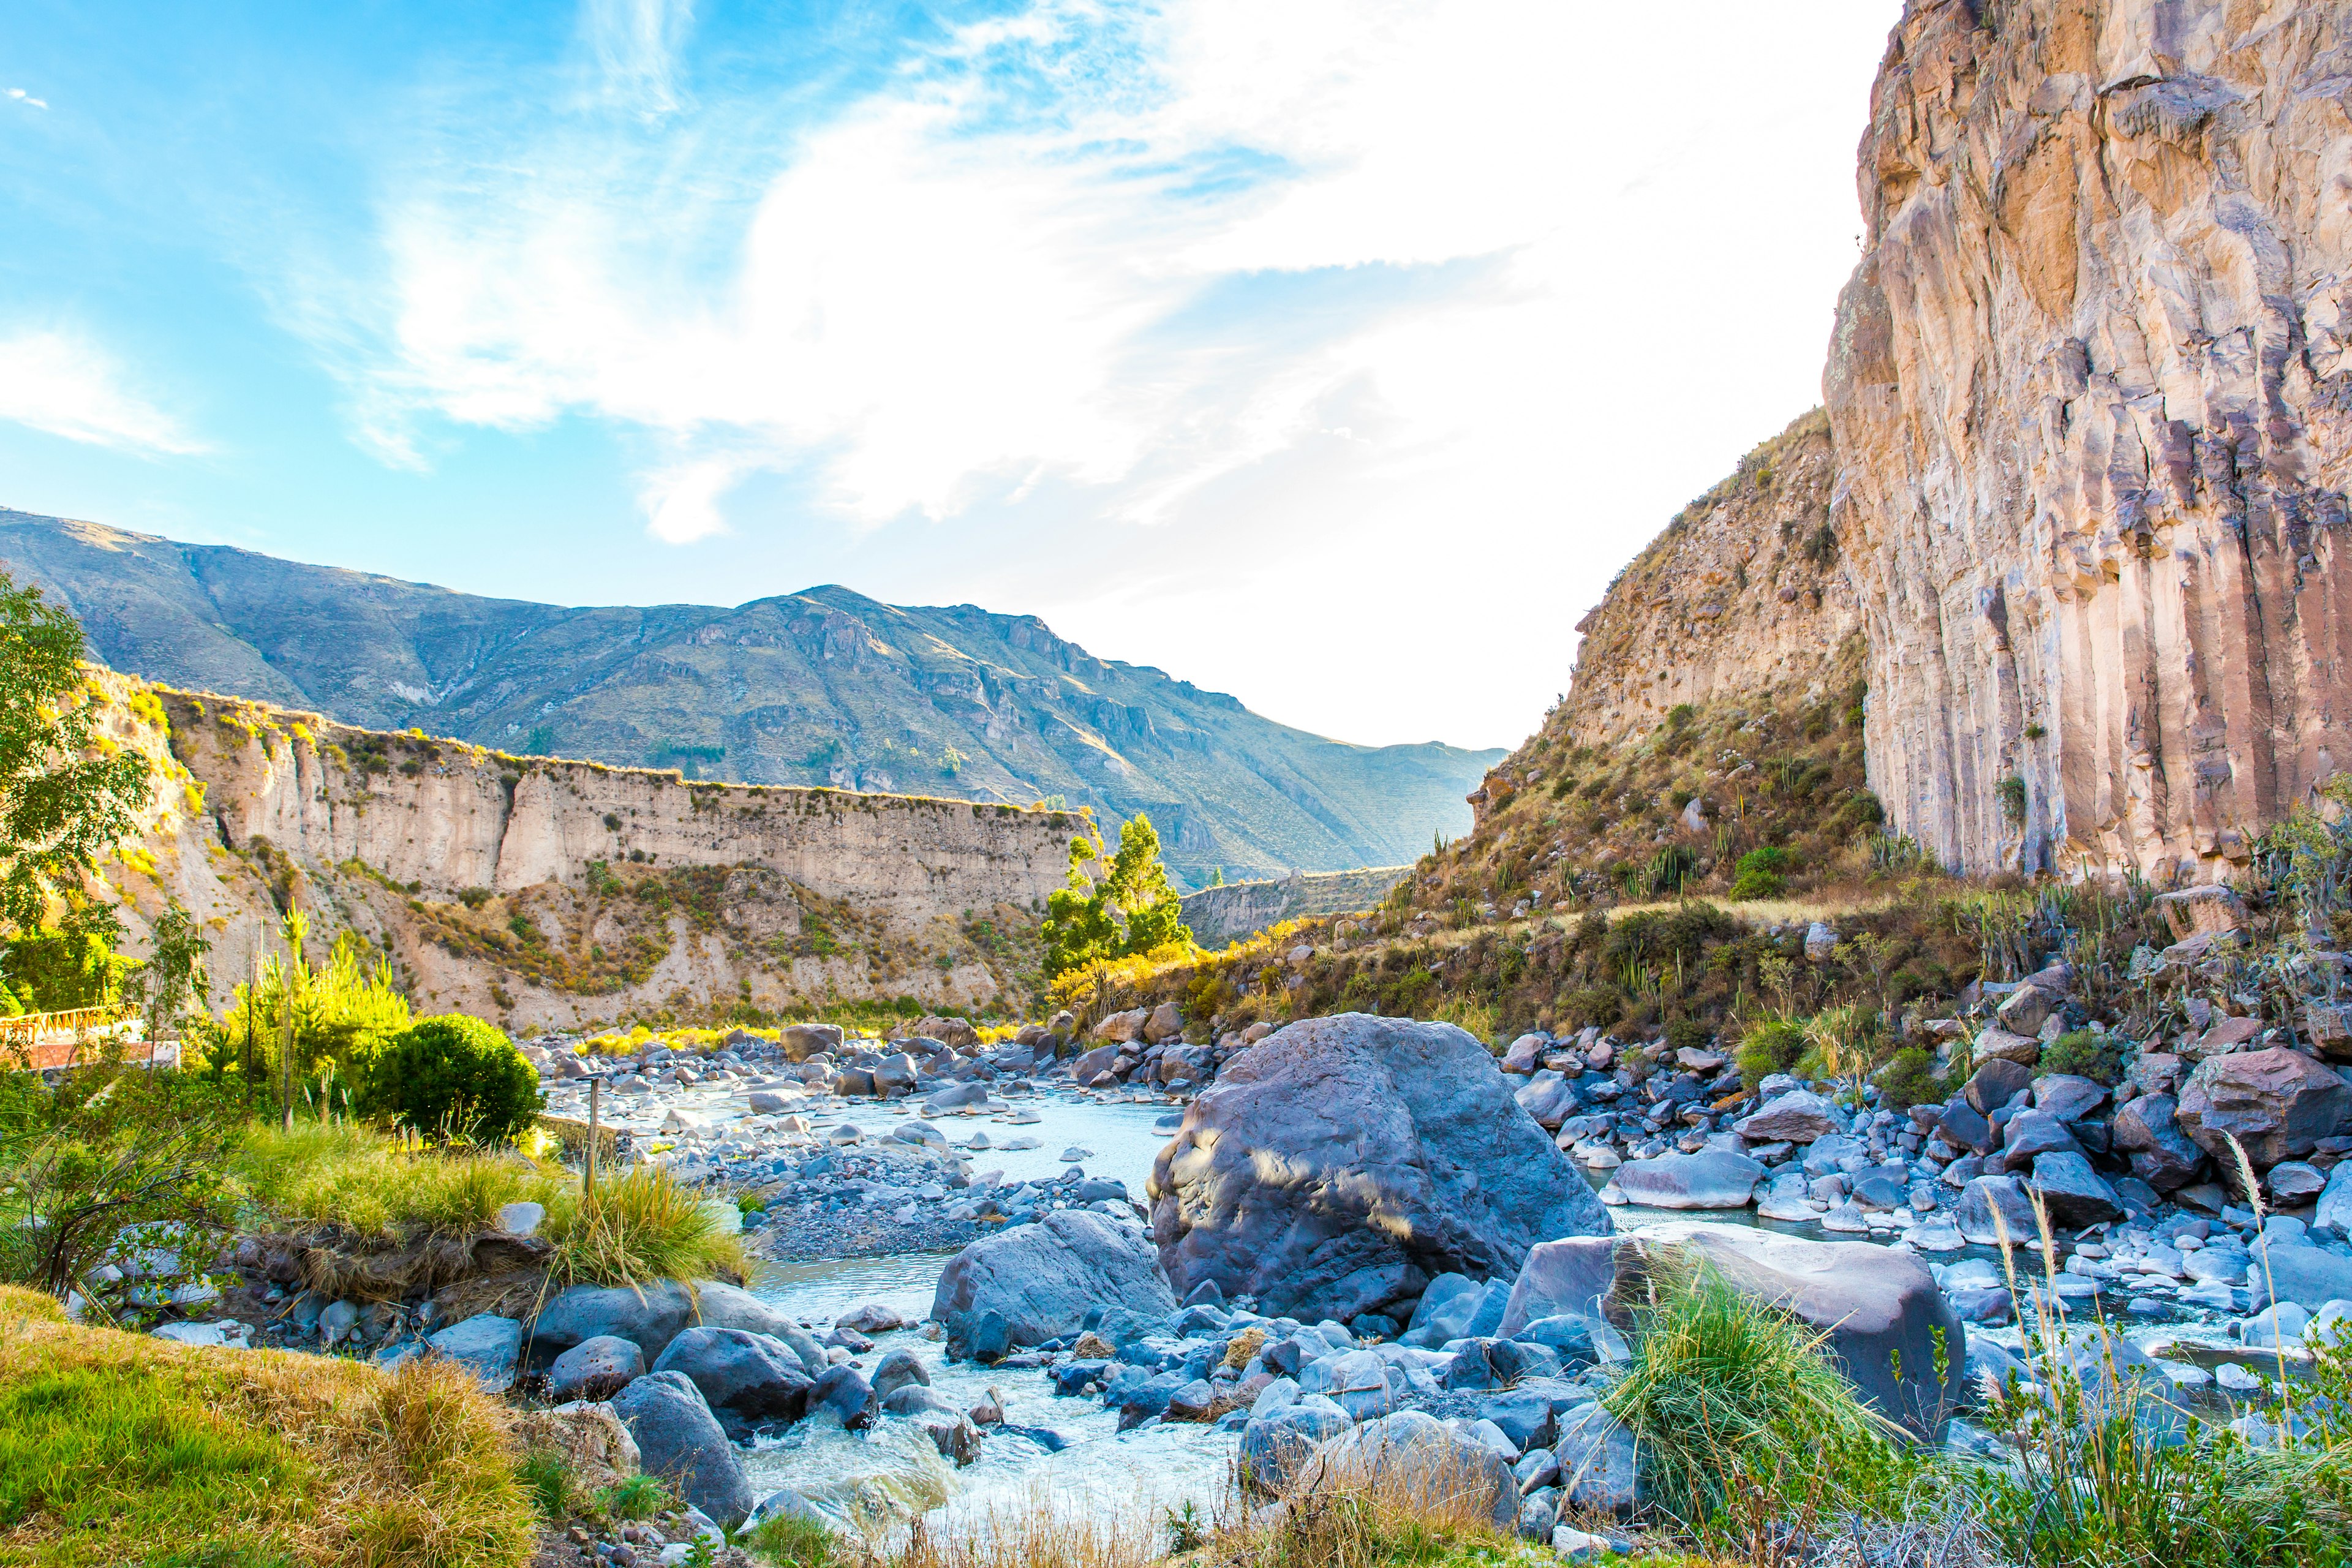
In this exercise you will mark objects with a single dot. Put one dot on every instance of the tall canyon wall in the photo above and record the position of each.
(2088, 388)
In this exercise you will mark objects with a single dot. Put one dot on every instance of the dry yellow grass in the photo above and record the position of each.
(116, 1448)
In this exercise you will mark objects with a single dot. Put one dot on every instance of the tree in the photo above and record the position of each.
(1131, 908)
(62, 803)
(454, 1078)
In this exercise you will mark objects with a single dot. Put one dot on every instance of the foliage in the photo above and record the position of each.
(344, 1010)
(66, 795)
(1728, 1400)
(643, 1227)
(51, 970)
(1908, 1079)
(452, 1077)
(350, 1174)
(114, 1445)
(1770, 1045)
(1132, 909)
(2086, 1054)
(790, 1540)
(174, 977)
(109, 1161)
(1763, 873)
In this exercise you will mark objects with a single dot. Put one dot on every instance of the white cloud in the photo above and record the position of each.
(58, 382)
(1552, 266)
(20, 95)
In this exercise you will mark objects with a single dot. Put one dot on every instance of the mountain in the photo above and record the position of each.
(824, 687)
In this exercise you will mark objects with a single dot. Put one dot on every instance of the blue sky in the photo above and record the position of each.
(1333, 354)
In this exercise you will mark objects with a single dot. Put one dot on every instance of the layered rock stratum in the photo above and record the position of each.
(820, 688)
(2089, 396)
(537, 892)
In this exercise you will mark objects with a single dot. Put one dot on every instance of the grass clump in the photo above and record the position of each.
(1735, 1409)
(2086, 1053)
(1770, 1047)
(642, 1228)
(789, 1541)
(342, 1174)
(114, 1445)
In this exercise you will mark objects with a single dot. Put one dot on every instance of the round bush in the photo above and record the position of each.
(1762, 873)
(452, 1077)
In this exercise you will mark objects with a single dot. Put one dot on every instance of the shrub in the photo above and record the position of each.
(454, 1077)
(1770, 1047)
(638, 1229)
(1686, 1034)
(1762, 873)
(2086, 1054)
(1908, 1079)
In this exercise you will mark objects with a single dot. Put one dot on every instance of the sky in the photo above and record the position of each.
(1333, 354)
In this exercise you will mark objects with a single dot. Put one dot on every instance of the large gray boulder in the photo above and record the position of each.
(1884, 1320)
(1274, 1445)
(2306, 1275)
(1044, 1277)
(1710, 1179)
(678, 1440)
(651, 1318)
(1799, 1116)
(484, 1344)
(2148, 1130)
(595, 1369)
(1343, 1162)
(802, 1041)
(2277, 1103)
(1419, 1460)
(748, 1380)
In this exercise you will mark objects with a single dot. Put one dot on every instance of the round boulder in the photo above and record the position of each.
(595, 1369)
(1419, 1460)
(748, 1380)
(1343, 1162)
(1044, 1277)
(678, 1440)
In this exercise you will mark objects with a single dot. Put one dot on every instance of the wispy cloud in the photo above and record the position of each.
(634, 44)
(27, 99)
(56, 380)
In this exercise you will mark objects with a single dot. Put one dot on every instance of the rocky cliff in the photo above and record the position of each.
(2089, 391)
(824, 687)
(1225, 914)
(538, 891)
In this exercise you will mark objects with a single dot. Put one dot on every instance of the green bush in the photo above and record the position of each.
(1909, 1079)
(2086, 1054)
(454, 1077)
(1770, 1047)
(1686, 1034)
(1762, 873)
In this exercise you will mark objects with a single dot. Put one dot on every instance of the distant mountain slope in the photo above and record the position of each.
(825, 687)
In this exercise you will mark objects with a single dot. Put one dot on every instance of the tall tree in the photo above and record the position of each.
(1130, 907)
(62, 803)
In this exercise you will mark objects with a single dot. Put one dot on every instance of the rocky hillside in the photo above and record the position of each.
(823, 688)
(1714, 709)
(2090, 395)
(1222, 914)
(542, 892)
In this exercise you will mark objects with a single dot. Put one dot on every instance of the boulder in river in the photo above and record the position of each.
(1419, 1460)
(679, 1440)
(802, 1041)
(1275, 1444)
(1710, 1179)
(1342, 1163)
(748, 1380)
(595, 1369)
(1044, 1277)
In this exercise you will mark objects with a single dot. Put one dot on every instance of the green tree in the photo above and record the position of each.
(63, 801)
(456, 1078)
(1130, 907)
(345, 1010)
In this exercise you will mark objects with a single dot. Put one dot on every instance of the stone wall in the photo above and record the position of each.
(2089, 396)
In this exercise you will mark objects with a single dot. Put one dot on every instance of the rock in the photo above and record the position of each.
(1524, 1053)
(1985, 1196)
(2022, 1013)
(2068, 1097)
(596, 1448)
(771, 1102)
(1163, 1025)
(595, 1369)
(844, 1392)
(2334, 1206)
(1356, 1381)
(1927, 515)
(1121, 1028)
(1548, 1098)
(898, 1370)
(956, 1438)
(1880, 1309)
(871, 1318)
(1996, 1083)
(486, 1344)
(2277, 1102)
(1799, 1116)
(2226, 1036)
(1597, 1462)
(680, 1440)
(2148, 1130)
(2072, 1192)
(2294, 1183)
(2307, 1276)
(2033, 1133)
(802, 1041)
(1044, 1277)
(1274, 1445)
(649, 1319)
(984, 1336)
(338, 1320)
(747, 1380)
(1963, 1126)
(956, 1032)
(1344, 1161)
(1419, 1460)
(522, 1218)
(1821, 942)
(1710, 1179)
(2210, 907)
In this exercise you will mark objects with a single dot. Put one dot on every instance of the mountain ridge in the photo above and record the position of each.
(826, 686)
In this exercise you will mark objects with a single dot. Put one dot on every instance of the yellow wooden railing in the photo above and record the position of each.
(26, 1030)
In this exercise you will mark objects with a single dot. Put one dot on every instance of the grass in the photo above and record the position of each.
(789, 1542)
(114, 1445)
(642, 1228)
(347, 1174)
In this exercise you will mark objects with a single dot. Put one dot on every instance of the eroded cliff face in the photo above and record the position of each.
(2089, 396)
(554, 892)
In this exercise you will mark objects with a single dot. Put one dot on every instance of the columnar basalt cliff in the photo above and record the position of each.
(545, 891)
(2089, 396)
